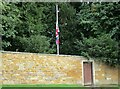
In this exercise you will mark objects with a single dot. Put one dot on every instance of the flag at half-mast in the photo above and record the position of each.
(57, 34)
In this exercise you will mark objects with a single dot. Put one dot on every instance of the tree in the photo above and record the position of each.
(22, 20)
(68, 28)
(100, 31)
(37, 44)
(102, 47)
(10, 19)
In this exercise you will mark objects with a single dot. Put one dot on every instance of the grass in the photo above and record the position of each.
(52, 86)
(42, 85)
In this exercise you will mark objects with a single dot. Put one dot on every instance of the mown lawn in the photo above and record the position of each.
(43, 86)
(53, 86)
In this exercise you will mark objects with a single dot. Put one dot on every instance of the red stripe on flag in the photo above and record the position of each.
(57, 35)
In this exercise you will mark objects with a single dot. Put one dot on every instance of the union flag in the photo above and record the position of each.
(57, 34)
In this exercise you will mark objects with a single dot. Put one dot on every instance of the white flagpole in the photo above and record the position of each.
(56, 25)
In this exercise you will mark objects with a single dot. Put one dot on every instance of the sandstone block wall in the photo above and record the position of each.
(24, 68)
(105, 74)
(0, 68)
(33, 68)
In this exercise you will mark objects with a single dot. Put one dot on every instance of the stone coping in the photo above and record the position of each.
(13, 52)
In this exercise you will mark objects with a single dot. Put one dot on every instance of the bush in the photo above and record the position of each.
(37, 44)
(103, 47)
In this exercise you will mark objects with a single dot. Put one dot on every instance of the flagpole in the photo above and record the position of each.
(57, 24)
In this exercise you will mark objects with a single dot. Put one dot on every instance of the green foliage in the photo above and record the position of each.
(21, 20)
(102, 47)
(31, 19)
(100, 31)
(68, 28)
(37, 43)
(9, 18)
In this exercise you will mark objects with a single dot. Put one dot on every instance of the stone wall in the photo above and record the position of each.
(105, 74)
(0, 69)
(33, 68)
